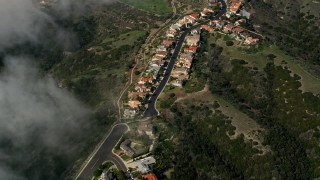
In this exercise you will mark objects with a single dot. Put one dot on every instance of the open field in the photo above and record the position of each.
(128, 38)
(160, 7)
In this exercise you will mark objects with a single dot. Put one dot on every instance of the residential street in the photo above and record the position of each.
(104, 153)
(152, 111)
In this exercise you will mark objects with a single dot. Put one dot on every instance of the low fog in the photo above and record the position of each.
(25, 20)
(34, 112)
(29, 101)
(20, 20)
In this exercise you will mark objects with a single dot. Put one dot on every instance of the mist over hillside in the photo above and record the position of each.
(35, 113)
(42, 127)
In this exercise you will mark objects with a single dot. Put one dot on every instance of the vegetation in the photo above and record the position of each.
(168, 101)
(267, 91)
(199, 71)
(266, 99)
(97, 172)
(160, 7)
(229, 43)
(119, 174)
(294, 31)
(93, 68)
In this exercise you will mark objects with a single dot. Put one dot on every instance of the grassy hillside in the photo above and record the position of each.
(96, 73)
(93, 68)
(259, 120)
(293, 26)
(160, 7)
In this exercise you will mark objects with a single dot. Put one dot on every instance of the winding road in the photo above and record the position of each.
(104, 150)
(104, 153)
(152, 110)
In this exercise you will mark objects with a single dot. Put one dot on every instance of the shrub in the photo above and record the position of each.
(229, 43)
(97, 172)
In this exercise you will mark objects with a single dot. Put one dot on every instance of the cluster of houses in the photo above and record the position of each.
(234, 6)
(184, 61)
(191, 44)
(235, 30)
(149, 80)
(137, 96)
(182, 23)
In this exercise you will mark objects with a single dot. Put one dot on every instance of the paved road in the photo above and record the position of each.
(152, 111)
(104, 153)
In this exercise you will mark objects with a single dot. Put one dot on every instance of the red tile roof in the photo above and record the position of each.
(229, 26)
(238, 29)
(146, 78)
(206, 27)
(191, 49)
(251, 40)
(150, 177)
(167, 42)
(195, 16)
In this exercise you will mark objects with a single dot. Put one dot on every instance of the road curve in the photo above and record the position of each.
(152, 111)
(104, 153)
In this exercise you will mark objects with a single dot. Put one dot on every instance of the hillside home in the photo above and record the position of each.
(191, 49)
(228, 28)
(251, 40)
(176, 83)
(193, 40)
(214, 4)
(186, 56)
(162, 54)
(136, 95)
(214, 22)
(145, 79)
(178, 71)
(189, 19)
(146, 129)
(167, 43)
(171, 33)
(156, 63)
(134, 104)
(204, 13)
(149, 177)
(194, 16)
(181, 23)
(126, 147)
(161, 48)
(157, 57)
(143, 165)
(207, 28)
(240, 22)
(244, 35)
(184, 63)
(234, 6)
(142, 88)
(174, 27)
(238, 30)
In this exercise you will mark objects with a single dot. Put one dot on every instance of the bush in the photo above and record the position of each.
(97, 172)
(137, 72)
(229, 43)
